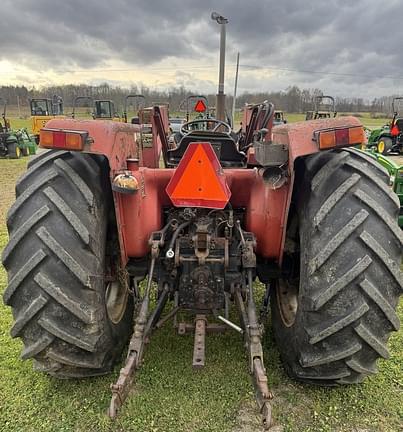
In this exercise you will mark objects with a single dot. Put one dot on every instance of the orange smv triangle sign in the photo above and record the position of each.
(198, 180)
(200, 106)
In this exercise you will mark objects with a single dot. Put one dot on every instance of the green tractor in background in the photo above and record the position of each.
(396, 177)
(328, 105)
(14, 143)
(389, 138)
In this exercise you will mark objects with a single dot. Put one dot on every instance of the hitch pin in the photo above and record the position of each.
(230, 324)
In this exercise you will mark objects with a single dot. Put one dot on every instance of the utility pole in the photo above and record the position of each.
(220, 105)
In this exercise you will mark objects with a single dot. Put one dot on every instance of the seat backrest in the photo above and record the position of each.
(223, 145)
(399, 123)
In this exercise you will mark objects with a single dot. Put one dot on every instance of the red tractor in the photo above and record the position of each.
(111, 205)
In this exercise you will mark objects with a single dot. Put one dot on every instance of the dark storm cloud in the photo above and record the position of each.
(360, 39)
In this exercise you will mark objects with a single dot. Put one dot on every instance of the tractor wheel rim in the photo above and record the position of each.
(287, 300)
(116, 296)
(381, 146)
(18, 152)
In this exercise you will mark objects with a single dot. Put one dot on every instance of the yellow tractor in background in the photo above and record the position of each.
(43, 110)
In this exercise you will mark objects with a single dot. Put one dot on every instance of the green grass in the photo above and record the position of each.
(170, 397)
(364, 117)
(17, 123)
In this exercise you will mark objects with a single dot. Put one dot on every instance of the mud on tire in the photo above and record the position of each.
(55, 261)
(343, 294)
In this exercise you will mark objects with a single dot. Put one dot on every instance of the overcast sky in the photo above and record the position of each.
(344, 47)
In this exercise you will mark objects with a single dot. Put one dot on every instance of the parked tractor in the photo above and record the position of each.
(195, 104)
(138, 102)
(111, 217)
(325, 107)
(389, 138)
(42, 110)
(100, 109)
(396, 177)
(279, 118)
(195, 107)
(15, 143)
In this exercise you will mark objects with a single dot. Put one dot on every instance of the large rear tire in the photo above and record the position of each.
(58, 259)
(13, 151)
(25, 151)
(333, 315)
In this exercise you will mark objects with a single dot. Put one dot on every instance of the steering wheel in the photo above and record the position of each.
(186, 127)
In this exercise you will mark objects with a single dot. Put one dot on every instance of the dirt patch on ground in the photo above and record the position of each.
(291, 405)
(397, 159)
(248, 419)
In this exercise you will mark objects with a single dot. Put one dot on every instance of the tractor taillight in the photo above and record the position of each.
(343, 137)
(395, 131)
(62, 139)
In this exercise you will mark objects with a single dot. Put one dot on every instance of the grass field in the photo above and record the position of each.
(170, 397)
(365, 118)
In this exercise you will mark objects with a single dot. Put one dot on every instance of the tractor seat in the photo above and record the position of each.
(399, 123)
(223, 145)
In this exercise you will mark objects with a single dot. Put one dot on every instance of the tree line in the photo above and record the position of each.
(292, 99)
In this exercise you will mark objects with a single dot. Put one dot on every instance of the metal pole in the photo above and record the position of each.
(19, 108)
(222, 58)
(220, 114)
(235, 89)
(220, 105)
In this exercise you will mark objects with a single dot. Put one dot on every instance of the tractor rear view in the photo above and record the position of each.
(389, 138)
(111, 217)
(42, 110)
(325, 107)
(101, 109)
(396, 177)
(14, 143)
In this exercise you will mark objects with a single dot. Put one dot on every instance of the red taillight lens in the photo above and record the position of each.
(342, 137)
(59, 139)
(395, 131)
(63, 139)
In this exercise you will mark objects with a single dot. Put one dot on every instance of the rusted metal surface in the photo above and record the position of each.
(298, 136)
(117, 141)
(121, 388)
(252, 336)
(199, 354)
(167, 317)
(185, 328)
(264, 217)
(184, 240)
